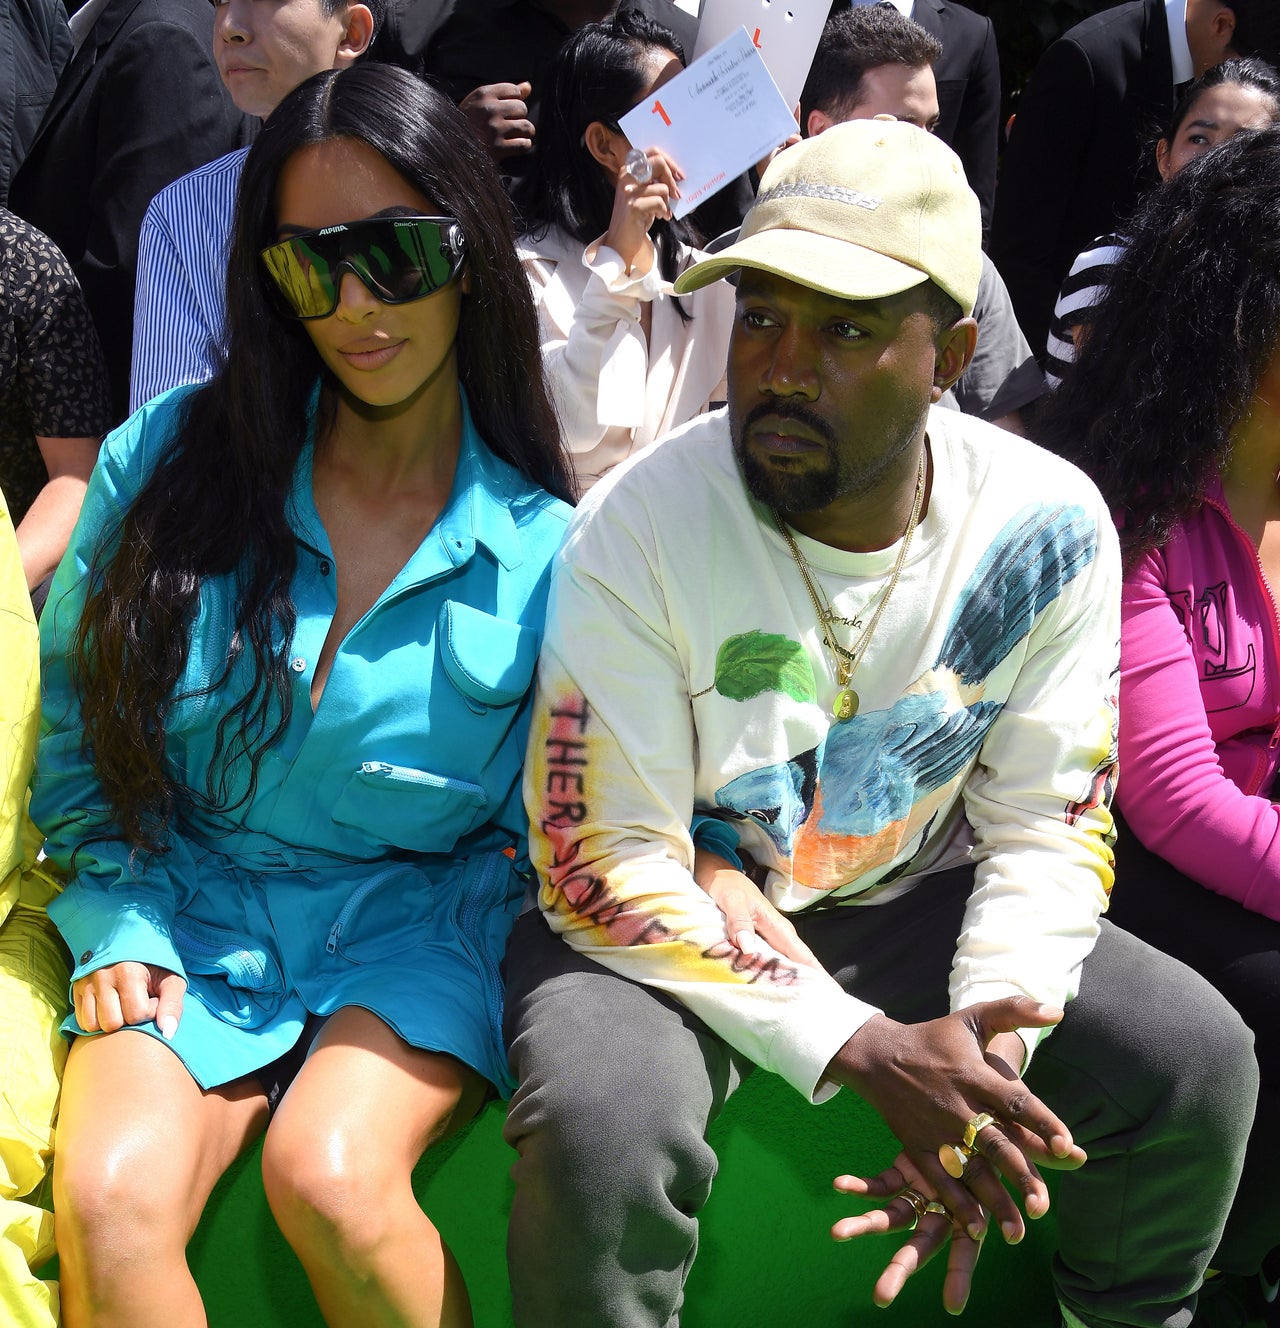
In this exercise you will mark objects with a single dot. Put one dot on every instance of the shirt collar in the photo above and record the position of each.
(1175, 15)
(478, 510)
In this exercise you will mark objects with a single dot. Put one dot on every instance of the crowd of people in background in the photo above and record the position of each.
(450, 605)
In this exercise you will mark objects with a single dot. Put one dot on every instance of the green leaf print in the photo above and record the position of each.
(756, 662)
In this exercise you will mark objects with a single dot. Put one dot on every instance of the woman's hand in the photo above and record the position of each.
(748, 916)
(926, 1236)
(129, 993)
(637, 206)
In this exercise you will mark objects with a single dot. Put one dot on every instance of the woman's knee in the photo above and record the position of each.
(114, 1201)
(330, 1192)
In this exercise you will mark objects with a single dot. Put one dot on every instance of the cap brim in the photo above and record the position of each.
(847, 271)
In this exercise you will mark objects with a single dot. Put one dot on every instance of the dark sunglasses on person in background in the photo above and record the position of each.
(397, 258)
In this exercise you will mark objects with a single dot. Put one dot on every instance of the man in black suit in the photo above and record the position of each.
(140, 104)
(1082, 147)
(968, 78)
(35, 46)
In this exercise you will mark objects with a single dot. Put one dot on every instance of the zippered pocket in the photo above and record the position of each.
(234, 976)
(385, 915)
(399, 807)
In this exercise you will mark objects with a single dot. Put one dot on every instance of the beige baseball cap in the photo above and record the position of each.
(869, 208)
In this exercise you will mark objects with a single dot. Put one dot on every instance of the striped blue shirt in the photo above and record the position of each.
(180, 302)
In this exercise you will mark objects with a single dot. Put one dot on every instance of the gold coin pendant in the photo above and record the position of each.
(846, 704)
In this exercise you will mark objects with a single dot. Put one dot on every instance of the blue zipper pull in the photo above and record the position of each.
(335, 932)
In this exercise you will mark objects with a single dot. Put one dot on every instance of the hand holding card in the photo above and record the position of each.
(715, 119)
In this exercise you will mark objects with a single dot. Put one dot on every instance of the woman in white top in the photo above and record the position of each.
(627, 361)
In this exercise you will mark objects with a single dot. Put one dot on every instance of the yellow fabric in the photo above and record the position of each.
(33, 973)
(33, 982)
(19, 725)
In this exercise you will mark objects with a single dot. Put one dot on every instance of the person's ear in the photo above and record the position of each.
(953, 349)
(607, 146)
(356, 36)
(816, 122)
(1164, 151)
(464, 280)
(1223, 25)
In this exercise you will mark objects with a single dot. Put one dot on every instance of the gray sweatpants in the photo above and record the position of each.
(1151, 1068)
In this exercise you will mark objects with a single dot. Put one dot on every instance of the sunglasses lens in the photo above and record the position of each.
(302, 274)
(409, 264)
(397, 258)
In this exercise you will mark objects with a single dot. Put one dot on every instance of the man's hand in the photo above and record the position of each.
(499, 115)
(932, 1231)
(749, 917)
(928, 1080)
(129, 993)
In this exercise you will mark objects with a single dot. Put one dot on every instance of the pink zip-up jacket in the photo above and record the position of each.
(1200, 708)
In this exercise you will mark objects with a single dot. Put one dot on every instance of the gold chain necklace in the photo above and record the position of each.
(846, 660)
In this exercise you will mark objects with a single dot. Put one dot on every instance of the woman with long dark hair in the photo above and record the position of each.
(627, 360)
(1174, 408)
(288, 658)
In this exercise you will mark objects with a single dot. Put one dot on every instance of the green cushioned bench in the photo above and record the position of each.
(765, 1256)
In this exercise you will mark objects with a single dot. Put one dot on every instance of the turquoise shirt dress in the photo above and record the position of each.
(379, 861)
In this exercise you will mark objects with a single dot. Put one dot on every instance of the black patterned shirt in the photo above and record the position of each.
(52, 380)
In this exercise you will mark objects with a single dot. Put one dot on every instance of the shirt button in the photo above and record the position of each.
(84, 958)
(297, 663)
(324, 567)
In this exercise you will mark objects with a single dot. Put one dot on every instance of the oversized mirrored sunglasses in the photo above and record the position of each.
(397, 258)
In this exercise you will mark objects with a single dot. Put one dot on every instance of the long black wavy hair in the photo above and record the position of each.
(216, 503)
(1190, 321)
(600, 73)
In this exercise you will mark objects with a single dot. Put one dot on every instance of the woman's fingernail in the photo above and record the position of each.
(168, 1027)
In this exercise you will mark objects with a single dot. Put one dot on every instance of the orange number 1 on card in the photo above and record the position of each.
(659, 109)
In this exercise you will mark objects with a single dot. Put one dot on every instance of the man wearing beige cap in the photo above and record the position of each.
(818, 781)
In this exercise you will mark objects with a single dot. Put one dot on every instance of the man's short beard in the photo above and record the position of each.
(806, 491)
(789, 494)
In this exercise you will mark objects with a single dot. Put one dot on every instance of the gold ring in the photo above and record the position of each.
(933, 1206)
(954, 1159)
(918, 1202)
(975, 1128)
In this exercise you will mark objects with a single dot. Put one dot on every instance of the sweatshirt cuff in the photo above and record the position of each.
(808, 1038)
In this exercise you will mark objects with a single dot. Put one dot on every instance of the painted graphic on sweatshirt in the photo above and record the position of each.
(870, 790)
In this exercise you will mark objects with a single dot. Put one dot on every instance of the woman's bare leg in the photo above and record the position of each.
(140, 1146)
(337, 1166)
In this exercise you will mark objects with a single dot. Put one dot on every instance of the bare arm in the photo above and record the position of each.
(44, 532)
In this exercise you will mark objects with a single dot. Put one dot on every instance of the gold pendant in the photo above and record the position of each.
(846, 704)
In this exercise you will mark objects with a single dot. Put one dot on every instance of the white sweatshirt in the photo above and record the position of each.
(683, 677)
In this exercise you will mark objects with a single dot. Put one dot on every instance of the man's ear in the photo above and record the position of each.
(817, 121)
(607, 146)
(356, 37)
(953, 349)
(1224, 29)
